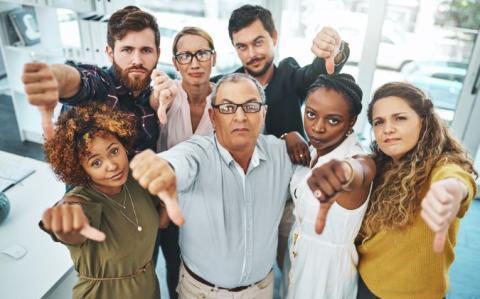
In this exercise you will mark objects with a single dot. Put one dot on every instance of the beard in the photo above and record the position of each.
(261, 72)
(134, 83)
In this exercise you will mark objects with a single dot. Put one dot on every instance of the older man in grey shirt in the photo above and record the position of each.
(232, 188)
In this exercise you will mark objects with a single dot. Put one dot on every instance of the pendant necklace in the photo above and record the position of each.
(139, 227)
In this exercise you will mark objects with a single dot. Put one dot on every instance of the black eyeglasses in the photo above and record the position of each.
(230, 108)
(187, 57)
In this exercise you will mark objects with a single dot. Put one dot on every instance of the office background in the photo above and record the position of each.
(433, 44)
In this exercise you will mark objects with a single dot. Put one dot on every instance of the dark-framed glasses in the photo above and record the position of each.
(187, 57)
(231, 108)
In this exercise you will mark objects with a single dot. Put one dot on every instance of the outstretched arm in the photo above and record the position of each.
(440, 207)
(158, 177)
(69, 223)
(44, 84)
(345, 181)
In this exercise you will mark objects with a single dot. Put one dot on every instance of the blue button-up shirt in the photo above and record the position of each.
(231, 227)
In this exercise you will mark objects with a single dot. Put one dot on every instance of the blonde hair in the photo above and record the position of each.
(395, 198)
(192, 31)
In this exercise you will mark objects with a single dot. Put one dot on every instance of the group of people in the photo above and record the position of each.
(228, 177)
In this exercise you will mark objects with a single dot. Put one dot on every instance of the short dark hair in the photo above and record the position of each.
(130, 18)
(247, 14)
(344, 84)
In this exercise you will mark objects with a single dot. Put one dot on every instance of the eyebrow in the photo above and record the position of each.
(254, 40)
(227, 101)
(95, 155)
(316, 110)
(395, 114)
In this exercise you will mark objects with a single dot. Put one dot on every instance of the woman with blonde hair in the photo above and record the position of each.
(184, 112)
(423, 186)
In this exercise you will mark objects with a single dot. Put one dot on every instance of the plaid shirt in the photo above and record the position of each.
(103, 84)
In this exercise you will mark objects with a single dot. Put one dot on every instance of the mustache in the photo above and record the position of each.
(135, 68)
(254, 60)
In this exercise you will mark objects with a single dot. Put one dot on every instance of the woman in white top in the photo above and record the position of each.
(322, 251)
(183, 107)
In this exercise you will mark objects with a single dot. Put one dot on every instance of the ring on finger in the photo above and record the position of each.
(301, 155)
(317, 193)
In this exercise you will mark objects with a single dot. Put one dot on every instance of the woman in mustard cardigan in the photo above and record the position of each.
(424, 185)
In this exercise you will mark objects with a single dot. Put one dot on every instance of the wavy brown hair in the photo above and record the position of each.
(74, 133)
(395, 198)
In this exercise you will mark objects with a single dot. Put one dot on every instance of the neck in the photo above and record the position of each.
(266, 77)
(110, 191)
(197, 94)
(243, 157)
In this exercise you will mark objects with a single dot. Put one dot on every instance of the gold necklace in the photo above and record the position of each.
(139, 227)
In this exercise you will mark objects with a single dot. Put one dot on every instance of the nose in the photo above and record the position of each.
(240, 115)
(137, 58)
(111, 165)
(195, 63)
(251, 52)
(388, 127)
(318, 126)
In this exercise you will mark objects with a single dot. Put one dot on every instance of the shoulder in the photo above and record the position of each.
(197, 145)
(273, 147)
(448, 169)
(288, 63)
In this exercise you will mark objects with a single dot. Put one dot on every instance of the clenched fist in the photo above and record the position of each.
(155, 174)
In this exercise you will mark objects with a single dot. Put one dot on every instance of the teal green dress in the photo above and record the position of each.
(121, 266)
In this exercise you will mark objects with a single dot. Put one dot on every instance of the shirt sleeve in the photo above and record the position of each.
(94, 84)
(184, 158)
(451, 170)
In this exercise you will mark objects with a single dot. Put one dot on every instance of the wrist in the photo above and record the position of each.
(342, 54)
(284, 135)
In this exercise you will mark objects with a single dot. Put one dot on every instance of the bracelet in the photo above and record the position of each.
(347, 186)
(284, 135)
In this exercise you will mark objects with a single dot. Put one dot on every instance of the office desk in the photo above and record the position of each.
(46, 263)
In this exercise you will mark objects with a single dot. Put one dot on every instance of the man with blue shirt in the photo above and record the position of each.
(232, 188)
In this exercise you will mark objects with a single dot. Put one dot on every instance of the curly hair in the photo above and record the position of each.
(395, 198)
(74, 133)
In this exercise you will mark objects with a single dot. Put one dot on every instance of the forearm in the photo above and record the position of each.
(363, 172)
(68, 79)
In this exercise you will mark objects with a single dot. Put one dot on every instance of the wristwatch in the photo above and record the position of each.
(344, 50)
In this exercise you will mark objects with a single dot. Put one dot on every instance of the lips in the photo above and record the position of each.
(255, 61)
(240, 130)
(314, 140)
(391, 140)
(196, 75)
(137, 70)
(117, 176)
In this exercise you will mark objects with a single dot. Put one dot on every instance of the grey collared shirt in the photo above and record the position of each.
(230, 233)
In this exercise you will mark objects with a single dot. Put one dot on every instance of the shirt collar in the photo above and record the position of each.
(342, 150)
(258, 154)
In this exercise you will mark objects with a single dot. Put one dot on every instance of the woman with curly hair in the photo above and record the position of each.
(108, 222)
(424, 185)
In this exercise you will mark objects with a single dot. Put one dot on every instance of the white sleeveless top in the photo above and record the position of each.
(323, 266)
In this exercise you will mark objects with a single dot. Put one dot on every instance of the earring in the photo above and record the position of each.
(349, 132)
